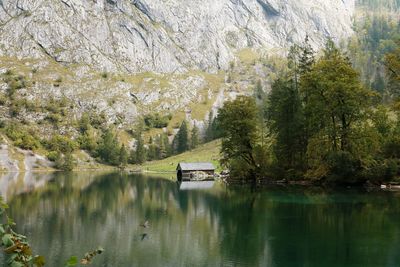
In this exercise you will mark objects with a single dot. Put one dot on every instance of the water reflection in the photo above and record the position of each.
(196, 185)
(69, 214)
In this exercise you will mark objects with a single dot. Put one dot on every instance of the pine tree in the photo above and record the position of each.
(108, 149)
(392, 64)
(307, 57)
(123, 157)
(259, 94)
(161, 147)
(195, 139)
(167, 146)
(69, 162)
(140, 151)
(209, 130)
(379, 83)
(182, 144)
(285, 119)
(152, 150)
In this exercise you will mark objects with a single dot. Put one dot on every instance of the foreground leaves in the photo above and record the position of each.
(18, 251)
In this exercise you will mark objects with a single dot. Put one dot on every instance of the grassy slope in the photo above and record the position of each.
(208, 152)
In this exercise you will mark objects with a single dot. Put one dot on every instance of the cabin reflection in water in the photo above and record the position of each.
(193, 185)
(200, 171)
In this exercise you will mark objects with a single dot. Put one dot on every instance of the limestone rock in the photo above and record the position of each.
(164, 36)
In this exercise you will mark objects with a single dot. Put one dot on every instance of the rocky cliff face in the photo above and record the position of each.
(164, 36)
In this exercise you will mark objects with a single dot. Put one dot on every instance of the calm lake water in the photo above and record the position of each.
(69, 214)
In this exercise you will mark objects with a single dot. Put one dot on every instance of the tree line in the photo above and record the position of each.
(162, 146)
(318, 122)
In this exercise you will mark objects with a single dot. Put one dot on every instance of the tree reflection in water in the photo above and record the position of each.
(74, 213)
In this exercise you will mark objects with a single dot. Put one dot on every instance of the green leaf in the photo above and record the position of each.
(16, 264)
(12, 258)
(2, 231)
(7, 241)
(73, 261)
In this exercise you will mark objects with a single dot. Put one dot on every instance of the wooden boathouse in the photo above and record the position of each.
(200, 171)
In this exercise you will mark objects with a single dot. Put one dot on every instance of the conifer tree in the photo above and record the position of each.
(123, 157)
(209, 129)
(194, 139)
(108, 149)
(152, 150)
(182, 144)
(139, 154)
(307, 57)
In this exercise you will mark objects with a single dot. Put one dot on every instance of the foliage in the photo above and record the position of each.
(343, 167)
(16, 246)
(88, 141)
(336, 100)
(375, 37)
(322, 123)
(238, 121)
(194, 137)
(123, 157)
(18, 251)
(152, 150)
(14, 83)
(378, 4)
(109, 148)
(392, 64)
(138, 156)
(61, 143)
(212, 129)
(65, 162)
(156, 120)
(285, 116)
(90, 255)
(21, 137)
(285, 112)
(182, 138)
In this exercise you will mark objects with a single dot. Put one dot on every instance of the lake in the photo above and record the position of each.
(204, 225)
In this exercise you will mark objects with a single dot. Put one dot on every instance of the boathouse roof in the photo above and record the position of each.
(198, 166)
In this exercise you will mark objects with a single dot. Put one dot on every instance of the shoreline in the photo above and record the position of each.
(388, 186)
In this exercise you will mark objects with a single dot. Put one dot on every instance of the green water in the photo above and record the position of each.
(66, 215)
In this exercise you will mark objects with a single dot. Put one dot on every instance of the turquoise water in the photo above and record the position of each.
(69, 214)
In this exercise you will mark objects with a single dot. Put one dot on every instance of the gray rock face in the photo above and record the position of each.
(164, 35)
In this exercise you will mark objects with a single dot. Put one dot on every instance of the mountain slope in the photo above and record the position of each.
(164, 36)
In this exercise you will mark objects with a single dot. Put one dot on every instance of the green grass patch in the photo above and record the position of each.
(209, 152)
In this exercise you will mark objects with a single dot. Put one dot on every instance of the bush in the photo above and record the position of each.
(66, 162)
(54, 118)
(343, 168)
(62, 162)
(14, 83)
(379, 171)
(21, 137)
(391, 148)
(27, 142)
(52, 106)
(61, 144)
(109, 148)
(239, 171)
(53, 155)
(88, 142)
(156, 120)
(3, 100)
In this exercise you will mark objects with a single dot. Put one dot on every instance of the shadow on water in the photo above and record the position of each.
(74, 213)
